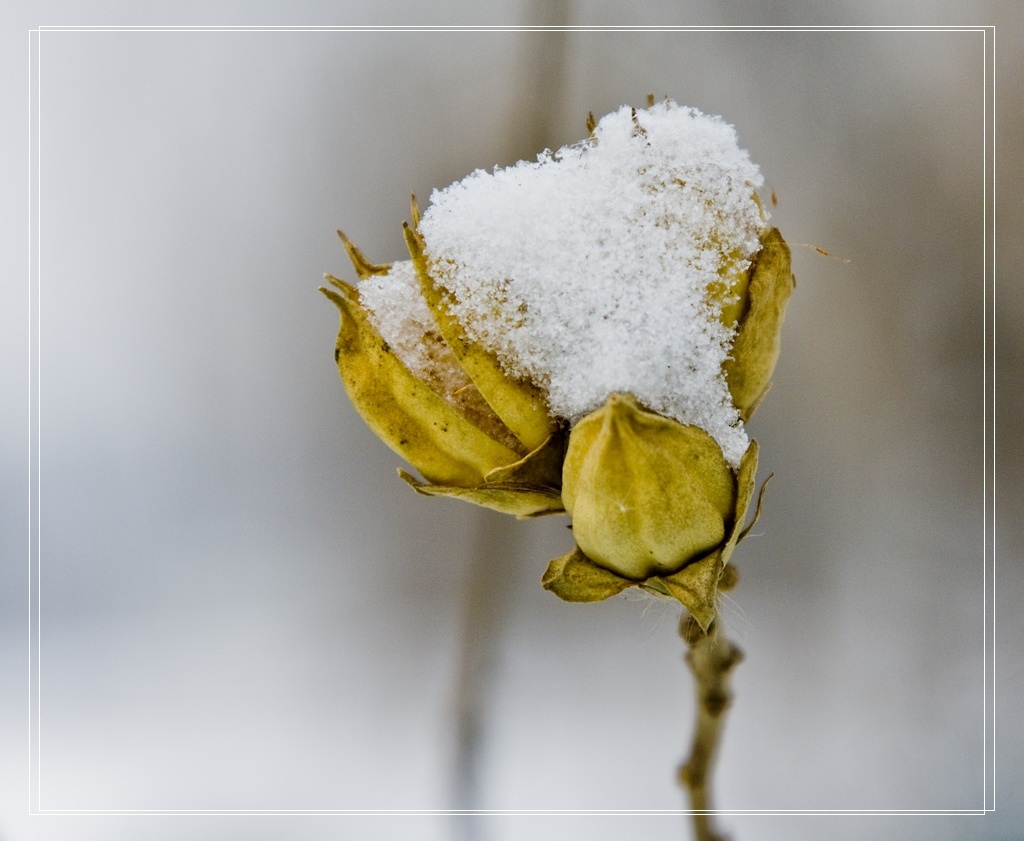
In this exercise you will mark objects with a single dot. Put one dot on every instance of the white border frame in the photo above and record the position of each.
(988, 432)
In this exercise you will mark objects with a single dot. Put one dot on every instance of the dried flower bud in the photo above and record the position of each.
(589, 330)
(653, 503)
(646, 494)
(429, 411)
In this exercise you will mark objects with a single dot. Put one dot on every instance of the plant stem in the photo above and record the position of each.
(711, 658)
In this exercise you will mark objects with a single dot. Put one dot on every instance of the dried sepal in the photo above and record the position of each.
(519, 500)
(530, 487)
(755, 349)
(745, 484)
(573, 577)
(414, 211)
(541, 467)
(696, 587)
(364, 268)
(402, 410)
(520, 405)
(757, 511)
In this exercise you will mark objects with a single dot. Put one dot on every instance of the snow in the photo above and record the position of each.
(593, 270)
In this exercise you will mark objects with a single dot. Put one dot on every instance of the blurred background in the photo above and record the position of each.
(241, 608)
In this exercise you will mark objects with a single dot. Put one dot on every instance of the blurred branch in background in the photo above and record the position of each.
(541, 86)
(485, 610)
(531, 122)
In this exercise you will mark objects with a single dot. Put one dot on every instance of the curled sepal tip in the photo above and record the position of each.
(364, 268)
(414, 211)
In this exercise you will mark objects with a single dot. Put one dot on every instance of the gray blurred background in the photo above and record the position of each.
(242, 608)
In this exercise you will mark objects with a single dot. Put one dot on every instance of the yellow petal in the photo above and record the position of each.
(520, 405)
(403, 411)
(647, 494)
(756, 347)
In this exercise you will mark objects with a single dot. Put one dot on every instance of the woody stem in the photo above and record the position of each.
(711, 658)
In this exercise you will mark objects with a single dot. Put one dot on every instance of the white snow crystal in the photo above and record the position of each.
(588, 271)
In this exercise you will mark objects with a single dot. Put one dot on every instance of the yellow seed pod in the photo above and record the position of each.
(647, 494)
